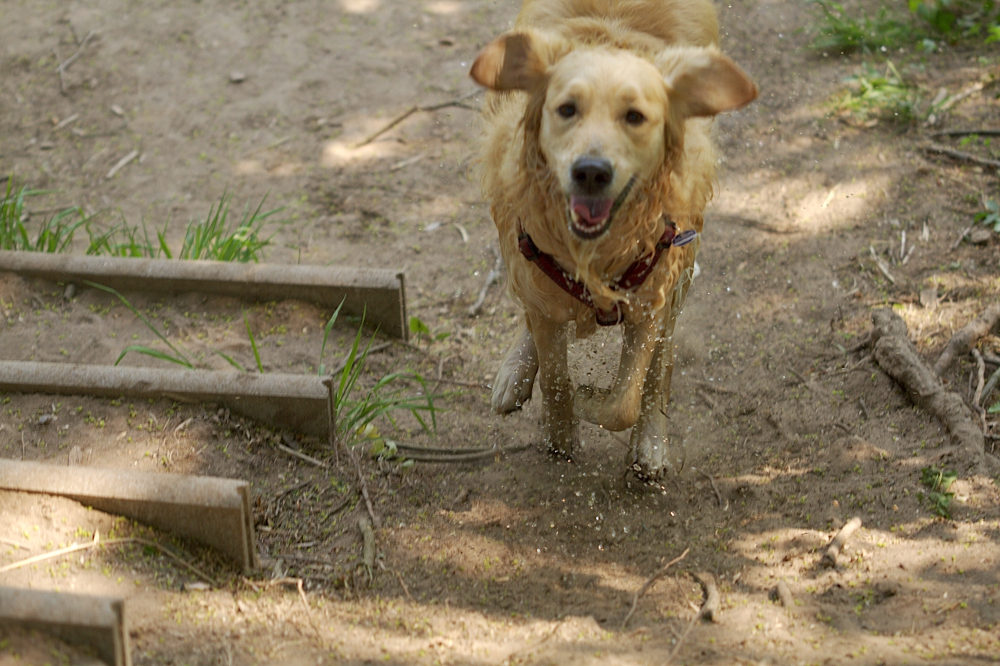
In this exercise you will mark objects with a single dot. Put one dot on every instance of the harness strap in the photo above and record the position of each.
(633, 276)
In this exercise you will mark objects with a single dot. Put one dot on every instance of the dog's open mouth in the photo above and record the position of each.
(590, 217)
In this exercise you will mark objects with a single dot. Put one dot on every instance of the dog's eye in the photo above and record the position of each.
(633, 117)
(567, 110)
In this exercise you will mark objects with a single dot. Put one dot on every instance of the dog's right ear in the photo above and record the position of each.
(514, 61)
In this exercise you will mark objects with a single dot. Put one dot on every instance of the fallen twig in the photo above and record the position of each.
(64, 65)
(416, 109)
(491, 277)
(991, 384)
(649, 583)
(980, 132)
(980, 377)
(302, 456)
(959, 156)
(403, 583)
(896, 355)
(680, 640)
(368, 551)
(864, 408)
(965, 339)
(833, 550)
(364, 489)
(108, 542)
(121, 164)
(882, 266)
(961, 237)
(708, 476)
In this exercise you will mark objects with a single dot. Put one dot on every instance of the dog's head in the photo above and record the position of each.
(606, 117)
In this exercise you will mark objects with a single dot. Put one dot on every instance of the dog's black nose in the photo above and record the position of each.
(592, 174)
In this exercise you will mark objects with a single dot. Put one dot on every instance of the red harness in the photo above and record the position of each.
(633, 276)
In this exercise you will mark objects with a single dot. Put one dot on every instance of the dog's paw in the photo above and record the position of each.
(516, 376)
(650, 459)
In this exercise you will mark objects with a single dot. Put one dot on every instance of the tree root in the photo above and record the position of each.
(898, 358)
(962, 342)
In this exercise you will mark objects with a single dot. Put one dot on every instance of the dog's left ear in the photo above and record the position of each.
(703, 82)
(514, 61)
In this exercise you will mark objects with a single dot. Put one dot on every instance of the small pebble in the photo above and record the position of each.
(238, 77)
(45, 419)
(70, 292)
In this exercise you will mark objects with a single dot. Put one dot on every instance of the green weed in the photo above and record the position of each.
(873, 96)
(218, 237)
(180, 358)
(840, 33)
(54, 235)
(354, 414)
(990, 216)
(938, 481)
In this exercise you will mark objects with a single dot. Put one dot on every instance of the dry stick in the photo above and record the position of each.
(121, 164)
(491, 277)
(649, 583)
(962, 342)
(108, 542)
(405, 589)
(708, 476)
(980, 377)
(896, 355)
(368, 552)
(64, 65)
(364, 489)
(833, 550)
(990, 386)
(961, 237)
(881, 265)
(980, 132)
(680, 641)
(959, 156)
(415, 109)
(302, 456)
(980, 372)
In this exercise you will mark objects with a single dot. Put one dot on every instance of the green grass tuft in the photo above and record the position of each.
(938, 481)
(219, 237)
(54, 235)
(873, 96)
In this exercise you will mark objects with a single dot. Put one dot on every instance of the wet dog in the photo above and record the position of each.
(598, 165)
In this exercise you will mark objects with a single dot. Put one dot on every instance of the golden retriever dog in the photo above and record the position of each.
(598, 164)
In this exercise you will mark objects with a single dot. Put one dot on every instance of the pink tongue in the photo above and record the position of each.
(591, 210)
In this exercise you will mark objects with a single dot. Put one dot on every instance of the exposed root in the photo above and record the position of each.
(897, 356)
(962, 342)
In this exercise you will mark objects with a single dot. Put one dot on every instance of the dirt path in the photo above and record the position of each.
(785, 427)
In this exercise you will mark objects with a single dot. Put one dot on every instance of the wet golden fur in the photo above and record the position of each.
(669, 47)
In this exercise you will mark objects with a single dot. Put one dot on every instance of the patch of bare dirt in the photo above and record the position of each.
(784, 427)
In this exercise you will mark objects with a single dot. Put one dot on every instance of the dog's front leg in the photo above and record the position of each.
(650, 445)
(516, 377)
(558, 423)
(618, 408)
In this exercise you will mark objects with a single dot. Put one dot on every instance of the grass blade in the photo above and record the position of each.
(253, 343)
(231, 361)
(181, 359)
(326, 335)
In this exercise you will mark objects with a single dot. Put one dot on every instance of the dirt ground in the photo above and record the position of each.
(784, 428)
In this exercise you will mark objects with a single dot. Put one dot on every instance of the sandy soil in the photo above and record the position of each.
(784, 426)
